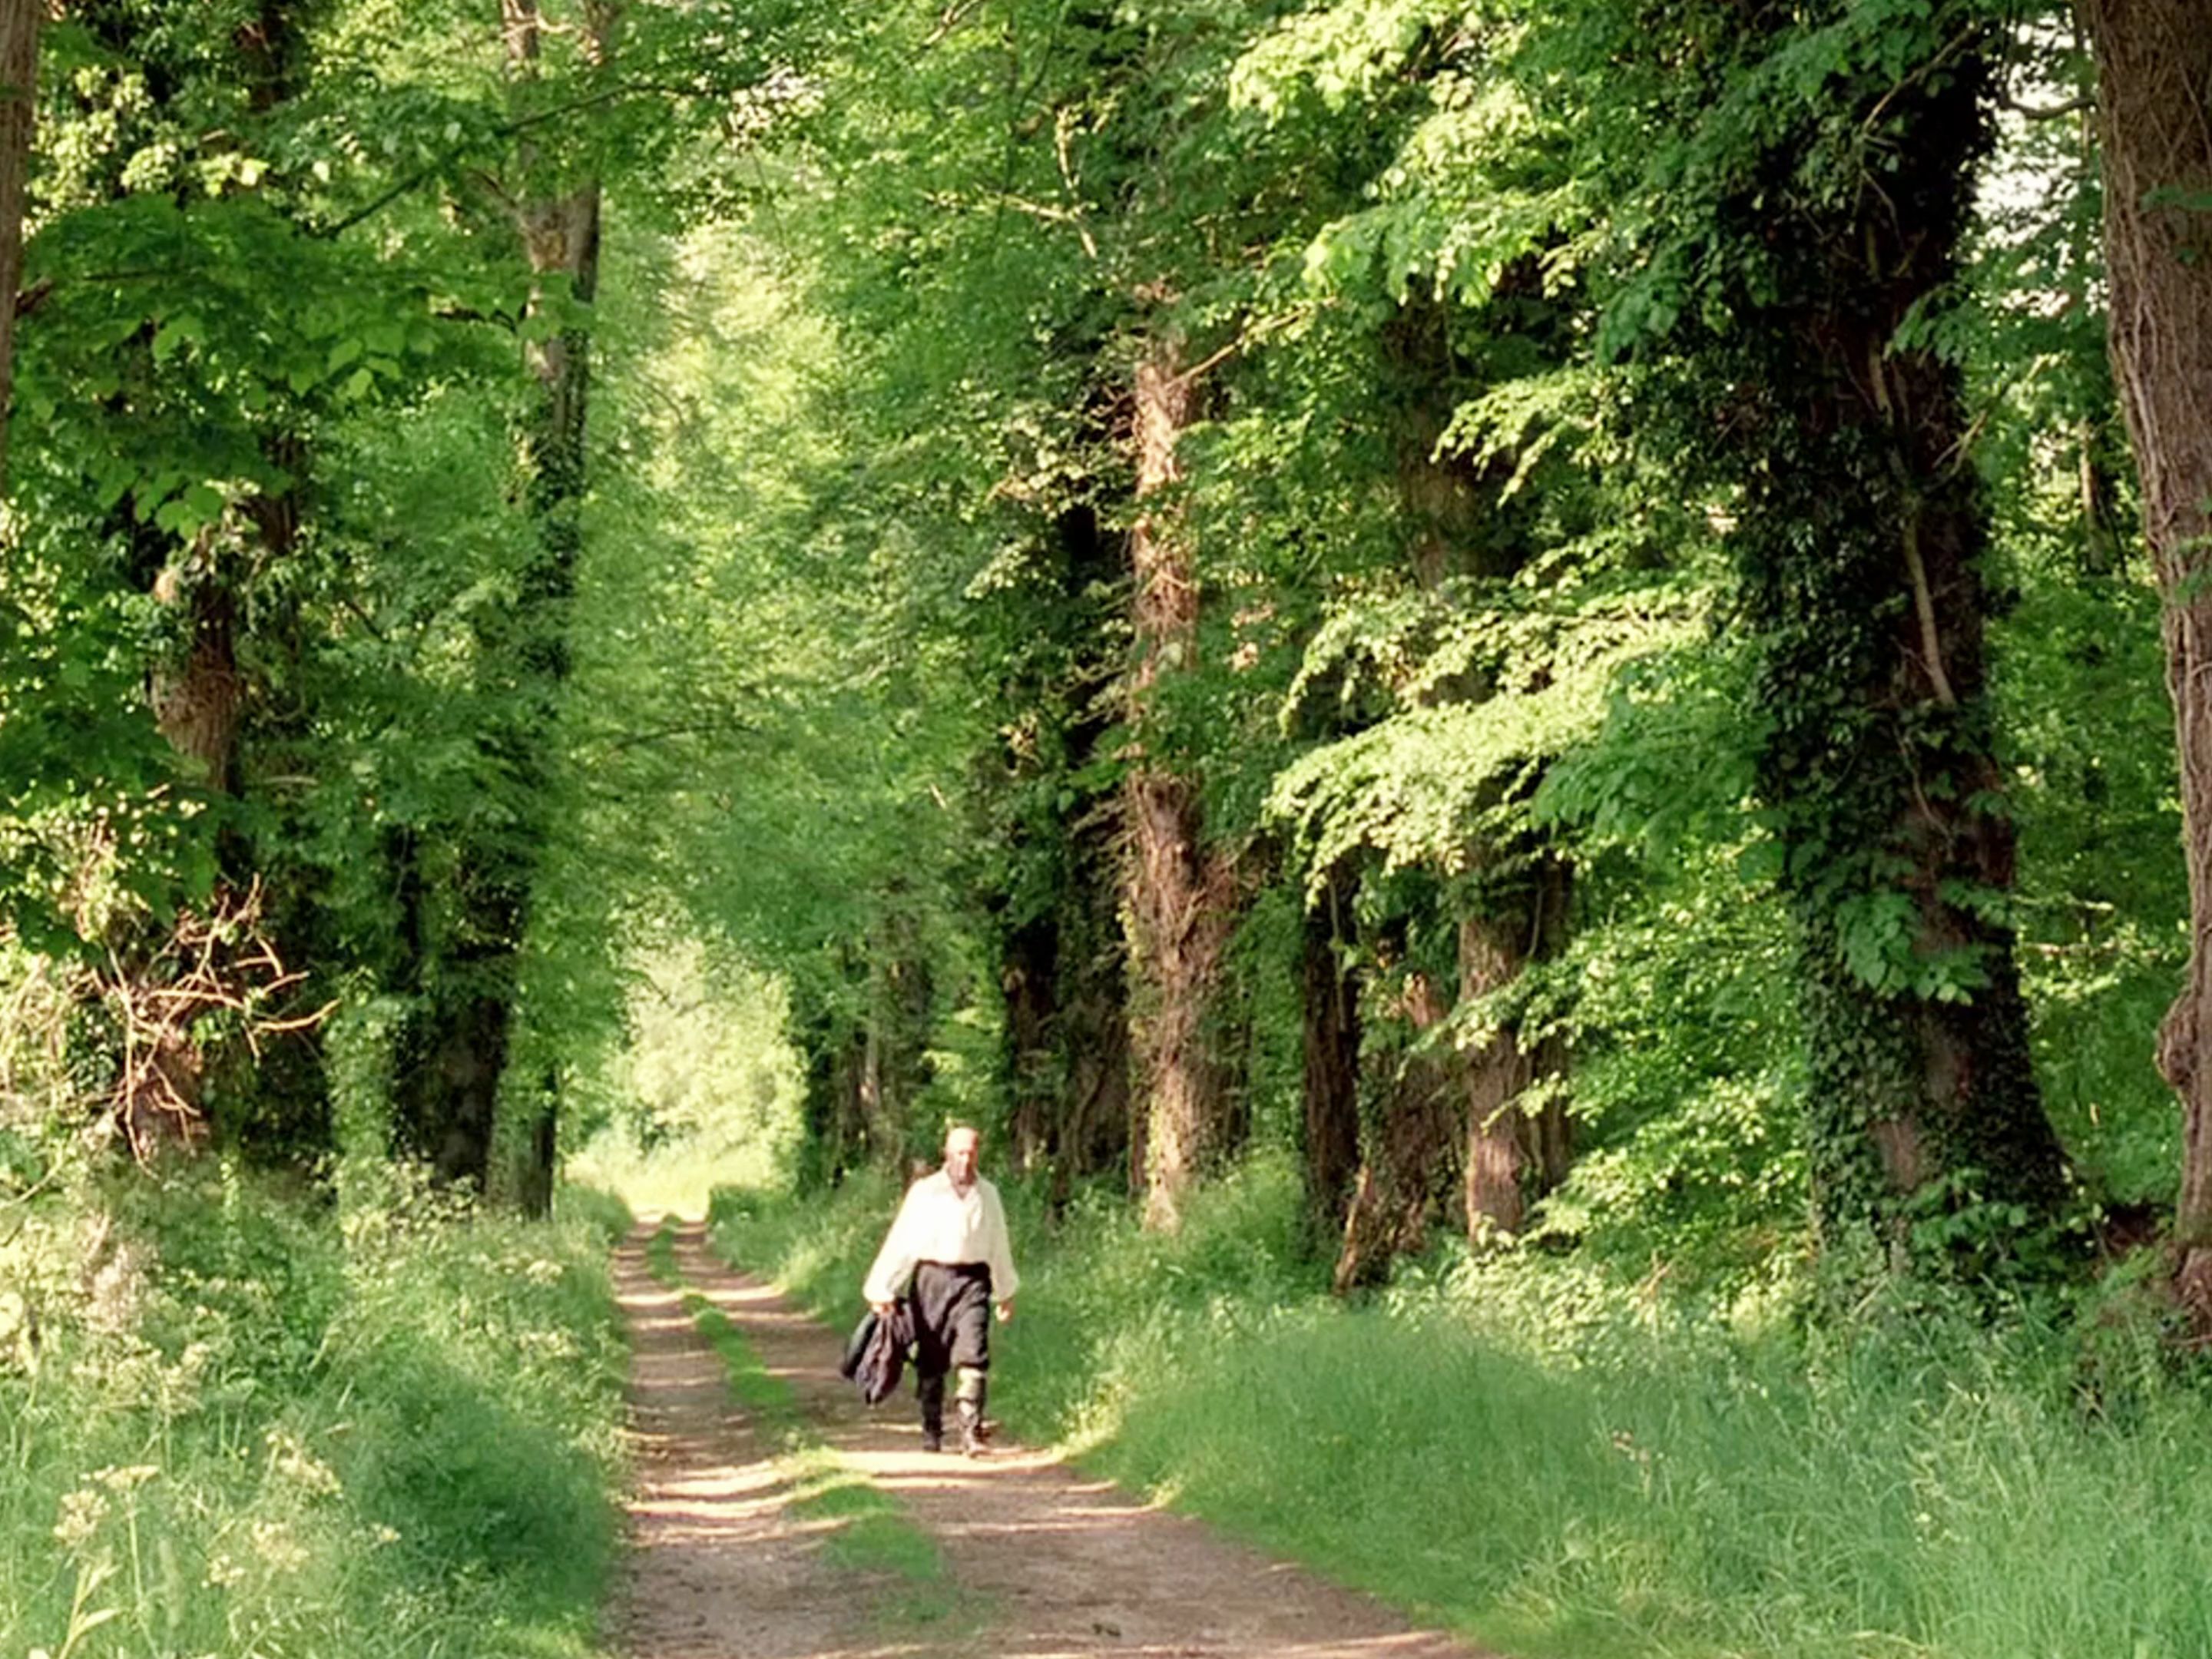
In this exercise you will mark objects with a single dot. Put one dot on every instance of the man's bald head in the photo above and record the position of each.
(961, 1141)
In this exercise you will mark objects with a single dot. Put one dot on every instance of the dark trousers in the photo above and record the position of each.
(951, 1317)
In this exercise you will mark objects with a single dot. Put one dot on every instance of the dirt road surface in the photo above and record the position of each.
(1039, 1561)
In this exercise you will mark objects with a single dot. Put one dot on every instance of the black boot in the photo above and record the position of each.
(932, 1392)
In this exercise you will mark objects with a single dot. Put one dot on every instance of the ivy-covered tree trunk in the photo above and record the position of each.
(1514, 1129)
(1061, 948)
(1860, 536)
(1072, 1106)
(895, 1063)
(831, 1045)
(1093, 1037)
(197, 691)
(1176, 891)
(1029, 987)
(207, 686)
(2154, 101)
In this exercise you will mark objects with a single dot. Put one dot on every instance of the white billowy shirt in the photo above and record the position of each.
(936, 1223)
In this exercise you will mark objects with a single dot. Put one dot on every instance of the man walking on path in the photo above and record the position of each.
(951, 1238)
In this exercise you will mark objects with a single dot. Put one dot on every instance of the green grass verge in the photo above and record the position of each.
(1562, 1465)
(268, 1423)
(767, 1398)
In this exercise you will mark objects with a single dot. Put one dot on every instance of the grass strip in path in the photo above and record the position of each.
(866, 1532)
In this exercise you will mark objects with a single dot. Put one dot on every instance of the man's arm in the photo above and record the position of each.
(894, 1262)
(1005, 1281)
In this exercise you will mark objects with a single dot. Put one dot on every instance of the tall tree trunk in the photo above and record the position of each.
(1092, 1135)
(831, 1045)
(2155, 84)
(1330, 1076)
(894, 1063)
(450, 1100)
(1411, 1152)
(1498, 1074)
(561, 238)
(1029, 987)
(19, 72)
(1060, 944)
(198, 693)
(1517, 1132)
(1176, 892)
(534, 1188)
(1859, 536)
(1064, 979)
(1461, 526)
(1092, 1035)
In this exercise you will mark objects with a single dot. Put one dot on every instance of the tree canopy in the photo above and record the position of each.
(1561, 611)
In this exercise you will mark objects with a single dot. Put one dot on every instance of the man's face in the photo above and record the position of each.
(960, 1155)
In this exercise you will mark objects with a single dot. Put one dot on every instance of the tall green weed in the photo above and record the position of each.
(285, 1426)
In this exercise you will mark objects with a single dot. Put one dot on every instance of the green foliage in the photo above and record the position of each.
(1521, 543)
(1535, 527)
(250, 1423)
(704, 1090)
(1432, 785)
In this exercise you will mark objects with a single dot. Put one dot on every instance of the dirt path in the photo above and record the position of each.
(1041, 1563)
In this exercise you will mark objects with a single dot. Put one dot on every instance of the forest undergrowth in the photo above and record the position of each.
(1561, 1460)
(296, 1425)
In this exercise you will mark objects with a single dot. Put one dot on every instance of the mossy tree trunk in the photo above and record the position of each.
(1029, 988)
(1511, 911)
(1411, 1153)
(456, 1047)
(1858, 542)
(1091, 1126)
(1518, 1139)
(895, 1067)
(1062, 950)
(2154, 100)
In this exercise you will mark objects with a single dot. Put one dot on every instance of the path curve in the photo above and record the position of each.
(1058, 1565)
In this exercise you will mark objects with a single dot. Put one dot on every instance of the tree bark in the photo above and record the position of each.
(1498, 1074)
(1463, 527)
(197, 694)
(1091, 1133)
(2154, 79)
(1176, 892)
(1330, 997)
(1518, 1139)
(1411, 1153)
(1029, 988)
(895, 1067)
(831, 1044)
